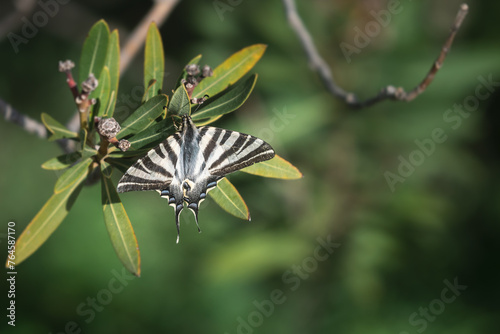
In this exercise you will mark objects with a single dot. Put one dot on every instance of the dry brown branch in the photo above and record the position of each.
(388, 93)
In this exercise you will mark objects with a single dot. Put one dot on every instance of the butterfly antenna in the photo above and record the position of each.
(178, 210)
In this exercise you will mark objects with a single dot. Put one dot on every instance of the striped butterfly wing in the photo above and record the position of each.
(227, 151)
(189, 163)
(156, 170)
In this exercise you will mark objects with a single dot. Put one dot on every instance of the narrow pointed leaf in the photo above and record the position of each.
(119, 227)
(180, 104)
(94, 51)
(143, 116)
(154, 61)
(184, 74)
(277, 168)
(227, 102)
(72, 175)
(62, 161)
(113, 64)
(229, 199)
(102, 93)
(46, 221)
(58, 130)
(230, 71)
(153, 134)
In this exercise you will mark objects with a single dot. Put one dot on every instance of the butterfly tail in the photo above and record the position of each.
(194, 207)
(178, 210)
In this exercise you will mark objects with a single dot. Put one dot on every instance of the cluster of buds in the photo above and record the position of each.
(108, 128)
(194, 76)
(90, 84)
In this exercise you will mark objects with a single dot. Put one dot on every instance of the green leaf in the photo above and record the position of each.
(153, 134)
(277, 168)
(154, 62)
(94, 51)
(58, 130)
(148, 90)
(227, 102)
(87, 151)
(144, 116)
(122, 164)
(206, 121)
(102, 93)
(106, 169)
(113, 64)
(72, 175)
(119, 227)
(228, 198)
(62, 161)
(184, 74)
(46, 221)
(180, 104)
(230, 71)
(128, 154)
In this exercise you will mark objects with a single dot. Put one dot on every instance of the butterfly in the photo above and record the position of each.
(189, 163)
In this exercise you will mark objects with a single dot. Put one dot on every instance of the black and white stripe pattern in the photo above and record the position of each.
(185, 166)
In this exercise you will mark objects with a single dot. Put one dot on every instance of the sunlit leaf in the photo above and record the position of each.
(113, 64)
(58, 130)
(72, 175)
(46, 221)
(143, 116)
(228, 101)
(277, 168)
(119, 227)
(230, 71)
(184, 74)
(94, 51)
(228, 198)
(102, 93)
(180, 104)
(62, 161)
(154, 61)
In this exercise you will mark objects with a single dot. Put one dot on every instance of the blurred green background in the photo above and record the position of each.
(396, 250)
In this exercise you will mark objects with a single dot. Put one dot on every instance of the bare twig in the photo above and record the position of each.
(390, 92)
(30, 125)
(158, 14)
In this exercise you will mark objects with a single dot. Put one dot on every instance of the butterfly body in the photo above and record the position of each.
(189, 163)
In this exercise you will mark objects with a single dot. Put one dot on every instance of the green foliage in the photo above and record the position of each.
(227, 90)
(225, 103)
(230, 71)
(118, 225)
(94, 51)
(180, 104)
(58, 130)
(154, 63)
(230, 199)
